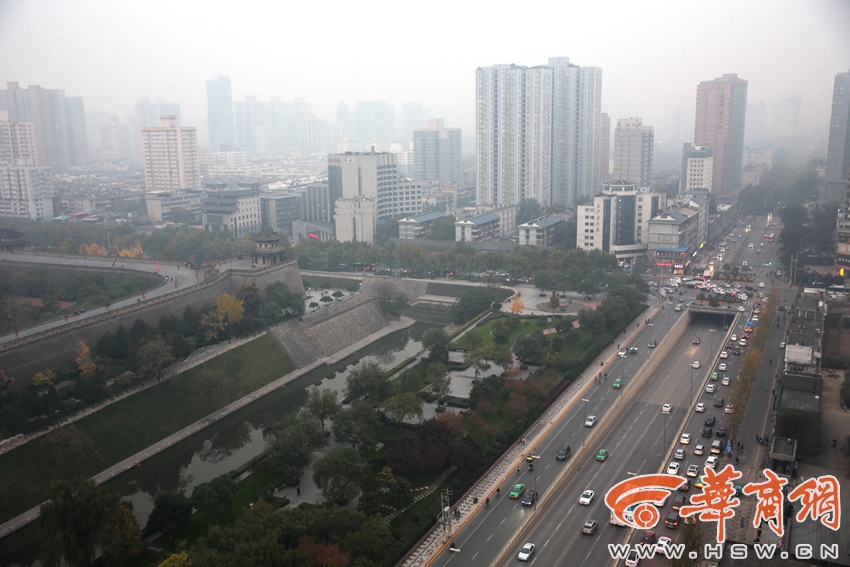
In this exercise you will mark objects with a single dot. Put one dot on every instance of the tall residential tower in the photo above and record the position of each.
(171, 157)
(720, 118)
(633, 147)
(838, 152)
(220, 115)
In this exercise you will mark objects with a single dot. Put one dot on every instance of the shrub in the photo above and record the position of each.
(837, 360)
(439, 409)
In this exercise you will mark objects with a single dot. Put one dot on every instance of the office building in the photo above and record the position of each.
(374, 176)
(235, 209)
(79, 153)
(17, 142)
(697, 168)
(161, 204)
(26, 191)
(437, 153)
(617, 221)
(222, 137)
(171, 160)
(634, 144)
(404, 158)
(538, 132)
(279, 210)
(355, 219)
(673, 237)
(838, 152)
(539, 232)
(842, 237)
(604, 147)
(720, 118)
(317, 203)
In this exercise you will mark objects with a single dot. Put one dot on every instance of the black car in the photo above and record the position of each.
(633, 350)
(721, 432)
(709, 421)
(718, 403)
(749, 288)
(529, 498)
(685, 485)
(653, 344)
(737, 351)
(648, 538)
(706, 432)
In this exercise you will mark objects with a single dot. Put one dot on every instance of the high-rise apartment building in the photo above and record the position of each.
(786, 119)
(222, 136)
(604, 147)
(634, 144)
(437, 153)
(171, 157)
(720, 118)
(26, 191)
(413, 117)
(115, 140)
(838, 152)
(375, 121)
(75, 130)
(17, 141)
(513, 107)
(697, 168)
(538, 132)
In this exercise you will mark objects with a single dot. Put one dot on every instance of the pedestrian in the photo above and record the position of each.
(298, 490)
(742, 446)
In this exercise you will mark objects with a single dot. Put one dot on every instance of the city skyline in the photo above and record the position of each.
(796, 50)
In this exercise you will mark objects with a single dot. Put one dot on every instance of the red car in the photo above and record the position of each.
(748, 329)
(696, 341)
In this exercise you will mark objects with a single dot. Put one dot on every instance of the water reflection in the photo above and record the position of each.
(224, 446)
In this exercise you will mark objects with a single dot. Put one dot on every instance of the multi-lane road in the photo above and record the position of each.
(639, 443)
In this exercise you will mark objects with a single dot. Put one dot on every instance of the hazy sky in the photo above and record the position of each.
(652, 52)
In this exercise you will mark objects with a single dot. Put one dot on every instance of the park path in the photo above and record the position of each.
(115, 470)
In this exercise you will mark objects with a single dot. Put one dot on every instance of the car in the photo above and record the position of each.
(748, 329)
(696, 341)
(706, 432)
(699, 482)
(782, 345)
(761, 284)
(724, 354)
(757, 301)
(722, 366)
(711, 462)
(700, 408)
(714, 376)
(586, 498)
(737, 351)
(526, 552)
(685, 486)
(672, 520)
(678, 502)
(529, 498)
(648, 538)
(589, 527)
(695, 364)
(733, 337)
(661, 546)
(677, 308)
(709, 388)
(725, 381)
(685, 439)
(517, 491)
(719, 403)
(740, 308)
(602, 455)
(590, 421)
(673, 468)
(679, 454)
(751, 245)
(632, 559)
(716, 447)
(618, 383)
(730, 345)
(729, 409)
(744, 263)
(623, 353)
(633, 350)
(652, 344)
(721, 432)
(699, 450)
(709, 421)
(666, 408)
(756, 311)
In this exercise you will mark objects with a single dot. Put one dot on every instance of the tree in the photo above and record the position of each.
(443, 228)
(475, 359)
(6, 384)
(554, 302)
(177, 560)
(293, 441)
(153, 357)
(212, 325)
(441, 380)
(322, 404)
(517, 305)
(338, 475)
(357, 422)
(249, 295)
(530, 347)
(72, 521)
(472, 339)
(322, 554)
(171, 511)
(215, 498)
(229, 308)
(529, 209)
(373, 540)
(543, 280)
(121, 539)
(44, 378)
(85, 362)
(368, 380)
(403, 406)
(471, 304)
(437, 342)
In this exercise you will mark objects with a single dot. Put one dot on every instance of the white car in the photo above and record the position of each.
(742, 342)
(711, 461)
(632, 560)
(586, 498)
(725, 381)
(721, 367)
(666, 408)
(661, 546)
(733, 338)
(673, 468)
(761, 284)
(741, 309)
(590, 421)
(724, 354)
(699, 450)
(526, 552)
(623, 352)
(695, 364)
(693, 471)
(700, 408)
(710, 388)
(685, 439)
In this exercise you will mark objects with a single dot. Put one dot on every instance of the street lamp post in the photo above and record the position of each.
(692, 382)
(712, 343)
(664, 446)
(584, 425)
(650, 325)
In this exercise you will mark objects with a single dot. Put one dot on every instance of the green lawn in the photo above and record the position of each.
(529, 325)
(124, 428)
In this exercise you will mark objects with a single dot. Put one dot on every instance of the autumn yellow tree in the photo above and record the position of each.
(229, 309)
(134, 251)
(93, 249)
(85, 361)
(44, 379)
(177, 560)
(517, 305)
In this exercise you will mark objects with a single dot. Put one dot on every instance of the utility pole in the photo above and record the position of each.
(448, 517)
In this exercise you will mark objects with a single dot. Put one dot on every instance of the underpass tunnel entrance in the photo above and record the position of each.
(719, 319)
